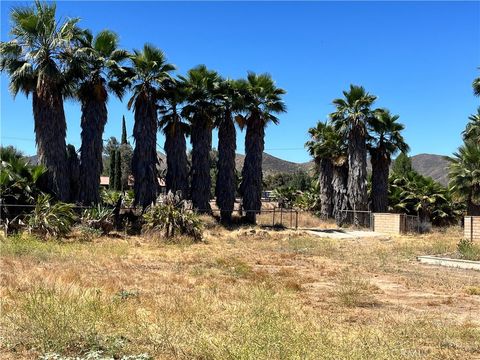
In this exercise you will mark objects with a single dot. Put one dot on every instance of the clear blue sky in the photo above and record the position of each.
(418, 58)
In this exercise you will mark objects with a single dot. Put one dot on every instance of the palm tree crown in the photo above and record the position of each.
(263, 99)
(472, 131)
(464, 173)
(386, 132)
(40, 49)
(353, 110)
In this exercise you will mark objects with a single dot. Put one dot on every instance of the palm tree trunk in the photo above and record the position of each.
(472, 208)
(225, 187)
(340, 197)
(251, 187)
(177, 166)
(380, 168)
(94, 118)
(326, 189)
(201, 139)
(74, 173)
(50, 130)
(357, 174)
(144, 162)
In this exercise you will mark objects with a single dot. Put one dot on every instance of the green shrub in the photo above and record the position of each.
(50, 219)
(172, 218)
(468, 250)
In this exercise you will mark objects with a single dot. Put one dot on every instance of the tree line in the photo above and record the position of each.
(55, 60)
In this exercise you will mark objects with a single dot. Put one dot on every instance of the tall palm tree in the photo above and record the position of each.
(150, 72)
(175, 129)
(350, 118)
(263, 99)
(320, 149)
(201, 110)
(328, 149)
(103, 74)
(230, 102)
(464, 173)
(36, 59)
(472, 131)
(385, 140)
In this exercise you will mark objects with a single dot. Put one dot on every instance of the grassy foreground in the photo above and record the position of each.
(240, 295)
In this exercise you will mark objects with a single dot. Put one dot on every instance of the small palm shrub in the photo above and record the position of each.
(50, 219)
(110, 197)
(172, 218)
(99, 218)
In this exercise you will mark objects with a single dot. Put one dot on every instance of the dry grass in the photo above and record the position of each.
(240, 295)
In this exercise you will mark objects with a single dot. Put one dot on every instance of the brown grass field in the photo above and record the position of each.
(239, 295)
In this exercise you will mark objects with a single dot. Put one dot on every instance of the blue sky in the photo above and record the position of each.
(419, 58)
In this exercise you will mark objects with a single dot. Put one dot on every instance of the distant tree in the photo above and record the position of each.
(124, 131)
(402, 165)
(111, 174)
(118, 171)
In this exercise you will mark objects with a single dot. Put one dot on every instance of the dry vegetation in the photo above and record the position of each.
(242, 294)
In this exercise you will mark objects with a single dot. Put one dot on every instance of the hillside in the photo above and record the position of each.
(434, 166)
(273, 165)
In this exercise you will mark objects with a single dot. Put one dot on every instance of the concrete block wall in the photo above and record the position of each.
(472, 228)
(387, 223)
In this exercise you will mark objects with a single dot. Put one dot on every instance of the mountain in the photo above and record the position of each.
(273, 165)
(434, 166)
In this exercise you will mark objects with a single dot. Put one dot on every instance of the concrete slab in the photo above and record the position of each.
(344, 233)
(449, 262)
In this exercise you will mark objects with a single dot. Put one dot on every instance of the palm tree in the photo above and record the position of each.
(103, 74)
(328, 148)
(472, 131)
(476, 86)
(201, 110)
(263, 99)
(151, 71)
(350, 118)
(320, 148)
(230, 98)
(37, 63)
(175, 129)
(385, 140)
(464, 173)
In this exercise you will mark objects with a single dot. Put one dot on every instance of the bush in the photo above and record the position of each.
(99, 218)
(172, 218)
(468, 250)
(48, 219)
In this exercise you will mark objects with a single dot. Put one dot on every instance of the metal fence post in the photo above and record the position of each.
(273, 217)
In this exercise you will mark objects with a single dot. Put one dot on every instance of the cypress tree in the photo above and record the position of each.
(118, 171)
(112, 169)
(124, 131)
